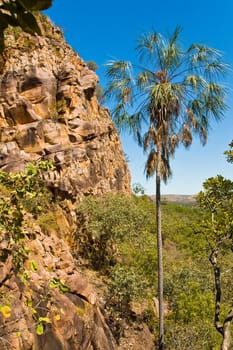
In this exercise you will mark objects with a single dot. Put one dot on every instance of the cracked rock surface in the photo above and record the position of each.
(49, 110)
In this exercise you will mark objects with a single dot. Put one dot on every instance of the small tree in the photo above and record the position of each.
(138, 189)
(98, 90)
(229, 153)
(163, 100)
(217, 202)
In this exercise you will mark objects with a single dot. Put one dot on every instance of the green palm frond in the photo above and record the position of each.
(120, 116)
(213, 89)
(119, 69)
(171, 57)
(146, 78)
(134, 123)
(173, 53)
(150, 50)
(194, 81)
(173, 38)
(201, 53)
(215, 68)
(114, 90)
(146, 45)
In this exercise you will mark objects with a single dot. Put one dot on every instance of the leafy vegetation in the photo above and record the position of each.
(216, 201)
(118, 240)
(23, 198)
(229, 153)
(20, 194)
(107, 223)
(98, 90)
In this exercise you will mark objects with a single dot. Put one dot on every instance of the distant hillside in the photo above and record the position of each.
(178, 198)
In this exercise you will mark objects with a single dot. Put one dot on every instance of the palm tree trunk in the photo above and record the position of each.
(160, 262)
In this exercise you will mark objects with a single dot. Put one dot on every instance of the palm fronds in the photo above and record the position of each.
(175, 91)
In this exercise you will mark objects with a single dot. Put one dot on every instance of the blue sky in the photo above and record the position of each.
(102, 30)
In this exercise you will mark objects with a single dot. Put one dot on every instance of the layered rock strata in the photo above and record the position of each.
(52, 307)
(48, 110)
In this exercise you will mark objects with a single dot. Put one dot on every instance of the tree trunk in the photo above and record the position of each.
(160, 262)
(225, 329)
(226, 343)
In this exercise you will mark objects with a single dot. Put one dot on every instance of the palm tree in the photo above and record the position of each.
(170, 95)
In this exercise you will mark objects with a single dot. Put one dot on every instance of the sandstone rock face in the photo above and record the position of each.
(48, 110)
(52, 307)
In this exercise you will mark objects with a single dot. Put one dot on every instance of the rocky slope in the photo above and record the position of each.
(48, 110)
(51, 306)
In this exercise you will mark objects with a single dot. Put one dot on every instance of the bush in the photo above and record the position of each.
(108, 224)
(118, 238)
(22, 196)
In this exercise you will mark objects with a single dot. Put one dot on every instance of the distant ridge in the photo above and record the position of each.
(177, 198)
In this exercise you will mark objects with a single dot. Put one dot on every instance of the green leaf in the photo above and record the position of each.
(63, 288)
(6, 311)
(54, 283)
(26, 250)
(44, 319)
(60, 284)
(33, 265)
(40, 328)
(28, 23)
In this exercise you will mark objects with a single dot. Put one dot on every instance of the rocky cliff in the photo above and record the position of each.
(49, 306)
(49, 110)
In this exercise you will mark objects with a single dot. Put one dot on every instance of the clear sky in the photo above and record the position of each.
(102, 30)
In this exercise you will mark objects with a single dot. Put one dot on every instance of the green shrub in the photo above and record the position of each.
(118, 238)
(21, 199)
(108, 223)
(196, 336)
